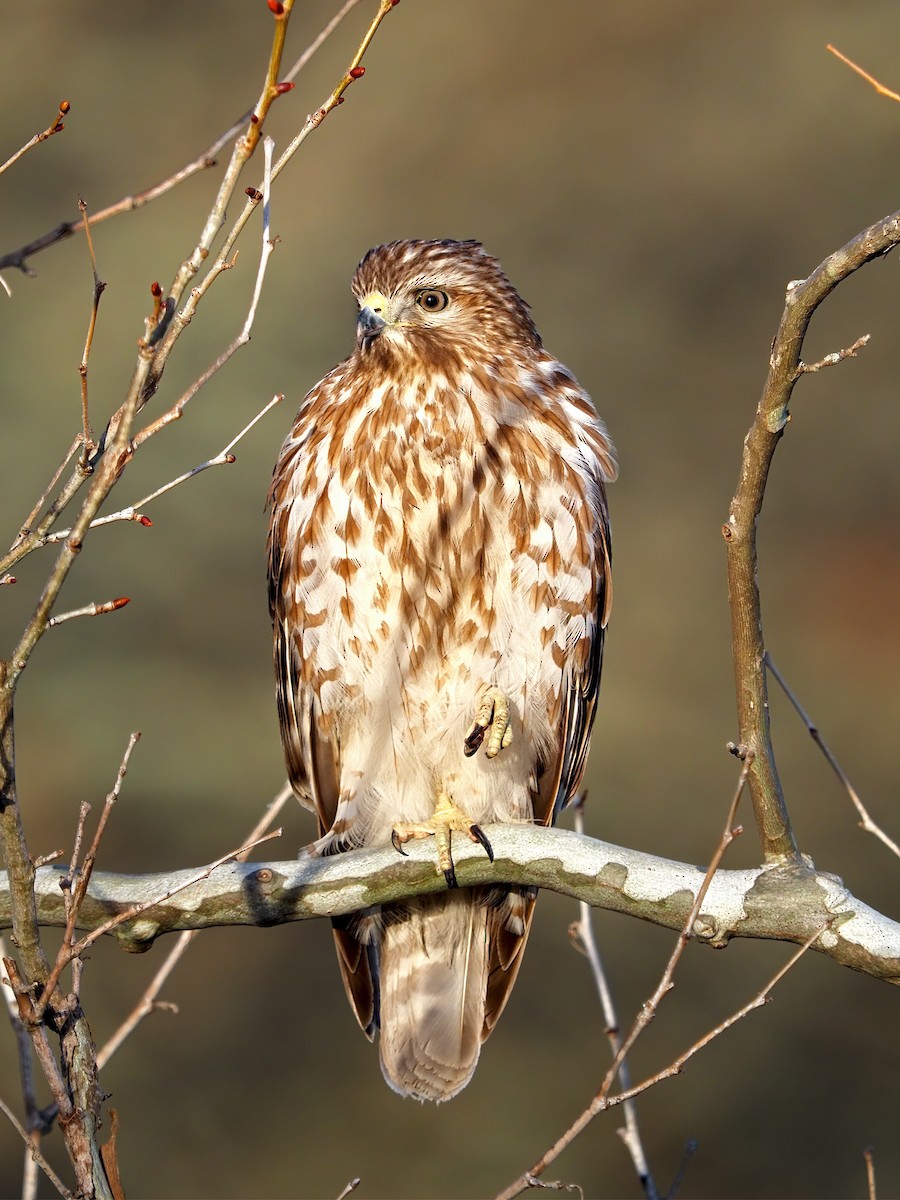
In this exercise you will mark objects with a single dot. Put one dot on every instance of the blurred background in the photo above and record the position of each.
(651, 175)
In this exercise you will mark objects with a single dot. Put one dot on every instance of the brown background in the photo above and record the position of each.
(651, 175)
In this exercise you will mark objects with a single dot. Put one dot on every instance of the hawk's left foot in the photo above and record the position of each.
(445, 819)
(493, 714)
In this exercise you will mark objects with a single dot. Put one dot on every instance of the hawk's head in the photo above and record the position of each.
(430, 300)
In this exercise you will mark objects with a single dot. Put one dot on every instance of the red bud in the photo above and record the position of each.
(281, 88)
(145, 521)
(155, 289)
(230, 458)
(64, 106)
(120, 602)
(357, 72)
(276, 7)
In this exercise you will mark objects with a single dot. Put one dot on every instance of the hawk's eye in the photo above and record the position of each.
(432, 300)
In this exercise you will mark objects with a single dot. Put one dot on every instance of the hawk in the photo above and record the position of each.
(439, 583)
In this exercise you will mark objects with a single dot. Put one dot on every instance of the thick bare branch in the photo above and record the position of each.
(748, 648)
(784, 902)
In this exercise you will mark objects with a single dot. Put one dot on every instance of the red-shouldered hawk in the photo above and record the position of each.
(439, 580)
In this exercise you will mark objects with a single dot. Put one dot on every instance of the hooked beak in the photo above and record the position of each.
(369, 324)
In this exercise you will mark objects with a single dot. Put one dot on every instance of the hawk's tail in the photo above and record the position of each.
(434, 969)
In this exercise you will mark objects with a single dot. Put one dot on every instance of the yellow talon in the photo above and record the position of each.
(446, 818)
(493, 713)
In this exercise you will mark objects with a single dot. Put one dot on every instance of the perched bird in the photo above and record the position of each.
(439, 582)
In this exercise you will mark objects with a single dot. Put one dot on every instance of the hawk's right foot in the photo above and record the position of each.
(493, 714)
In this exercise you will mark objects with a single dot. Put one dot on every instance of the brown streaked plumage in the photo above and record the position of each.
(439, 582)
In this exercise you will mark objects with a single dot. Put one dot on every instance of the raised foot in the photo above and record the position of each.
(445, 819)
(493, 714)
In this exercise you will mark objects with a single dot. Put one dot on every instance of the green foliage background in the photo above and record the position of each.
(651, 175)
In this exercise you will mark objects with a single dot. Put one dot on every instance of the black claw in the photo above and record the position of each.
(450, 876)
(474, 740)
(478, 833)
(397, 844)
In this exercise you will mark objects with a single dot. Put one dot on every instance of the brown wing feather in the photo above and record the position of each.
(557, 786)
(359, 972)
(313, 762)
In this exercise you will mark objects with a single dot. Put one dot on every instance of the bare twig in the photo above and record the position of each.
(690, 1149)
(134, 511)
(171, 329)
(647, 1012)
(168, 323)
(37, 1122)
(42, 499)
(34, 1153)
(869, 1156)
(90, 610)
(831, 360)
(71, 1068)
(99, 288)
(205, 160)
(582, 936)
(76, 884)
(148, 1002)
(554, 1185)
(319, 40)
(879, 87)
(601, 1103)
(267, 244)
(57, 127)
(866, 821)
(349, 1189)
(748, 647)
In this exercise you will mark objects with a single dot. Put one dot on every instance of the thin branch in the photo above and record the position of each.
(163, 329)
(838, 356)
(133, 511)
(582, 935)
(42, 499)
(319, 40)
(866, 821)
(35, 1154)
(879, 87)
(267, 244)
(30, 536)
(37, 1122)
(171, 329)
(90, 610)
(748, 647)
(148, 1002)
(99, 289)
(602, 1099)
(690, 1149)
(351, 1187)
(203, 162)
(869, 1156)
(76, 883)
(57, 127)
(598, 1105)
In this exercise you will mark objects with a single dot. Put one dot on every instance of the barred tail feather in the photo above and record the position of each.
(434, 965)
